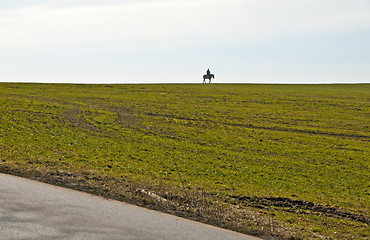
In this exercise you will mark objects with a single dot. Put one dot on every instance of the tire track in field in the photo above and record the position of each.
(298, 131)
(298, 206)
(275, 128)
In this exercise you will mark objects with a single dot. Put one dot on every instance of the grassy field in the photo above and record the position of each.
(276, 161)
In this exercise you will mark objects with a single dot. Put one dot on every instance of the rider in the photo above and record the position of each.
(208, 73)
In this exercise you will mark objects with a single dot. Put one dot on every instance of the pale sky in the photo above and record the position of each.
(175, 41)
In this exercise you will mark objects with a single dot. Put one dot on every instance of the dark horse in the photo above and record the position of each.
(208, 77)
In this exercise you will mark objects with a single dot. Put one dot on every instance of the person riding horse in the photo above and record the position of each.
(209, 76)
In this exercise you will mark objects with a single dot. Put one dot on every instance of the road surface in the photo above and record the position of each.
(33, 210)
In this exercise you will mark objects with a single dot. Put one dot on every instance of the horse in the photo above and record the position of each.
(208, 77)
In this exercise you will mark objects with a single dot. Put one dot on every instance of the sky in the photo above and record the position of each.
(176, 41)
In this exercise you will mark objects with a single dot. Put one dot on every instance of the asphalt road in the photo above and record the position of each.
(32, 210)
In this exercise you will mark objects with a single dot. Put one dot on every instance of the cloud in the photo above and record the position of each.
(148, 22)
(165, 23)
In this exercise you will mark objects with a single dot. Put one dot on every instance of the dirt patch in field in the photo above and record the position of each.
(75, 116)
(126, 117)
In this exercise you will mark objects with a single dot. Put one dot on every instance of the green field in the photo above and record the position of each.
(283, 161)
